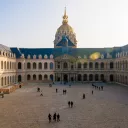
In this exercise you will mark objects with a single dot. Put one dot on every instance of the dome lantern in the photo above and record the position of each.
(65, 17)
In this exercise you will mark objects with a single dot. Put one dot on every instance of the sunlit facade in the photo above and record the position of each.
(63, 63)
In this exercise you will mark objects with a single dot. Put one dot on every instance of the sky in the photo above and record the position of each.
(33, 23)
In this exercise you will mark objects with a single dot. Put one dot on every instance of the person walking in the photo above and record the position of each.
(41, 94)
(56, 90)
(92, 92)
(54, 117)
(58, 117)
(69, 103)
(49, 117)
(83, 96)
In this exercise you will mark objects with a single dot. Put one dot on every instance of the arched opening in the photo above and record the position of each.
(34, 65)
(5, 65)
(90, 77)
(96, 77)
(79, 77)
(51, 77)
(19, 65)
(10, 65)
(102, 65)
(45, 77)
(72, 79)
(125, 64)
(85, 77)
(65, 78)
(34, 77)
(40, 65)
(2, 81)
(45, 65)
(28, 77)
(65, 65)
(28, 65)
(19, 78)
(111, 65)
(85, 65)
(96, 65)
(51, 65)
(8, 80)
(79, 65)
(102, 77)
(1, 64)
(72, 66)
(5, 80)
(40, 77)
(111, 78)
(90, 65)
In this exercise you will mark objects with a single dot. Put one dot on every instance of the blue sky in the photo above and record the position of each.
(33, 23)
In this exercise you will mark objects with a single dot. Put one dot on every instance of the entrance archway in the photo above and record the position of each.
(65, 78)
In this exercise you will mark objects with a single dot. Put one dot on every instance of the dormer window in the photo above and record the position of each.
(34, 56)
(85, 57)
(28, 57)
(79, 57)
(51, 56)
(102, 56)
(45, 56)
(40, 56)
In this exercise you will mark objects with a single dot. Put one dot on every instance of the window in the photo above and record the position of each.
(90, 65)
(85, 65)
(102, 65)
(51, 65)
(34, 65)
(65, 65)
(40, 65)
(96, 65)
(79, 65)
(19, 65)
(45, 65)
(111, 65)
(1, 64)
(19, 78)
(28, 77)
(28, 65)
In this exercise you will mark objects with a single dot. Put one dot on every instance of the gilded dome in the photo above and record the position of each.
(65, 28)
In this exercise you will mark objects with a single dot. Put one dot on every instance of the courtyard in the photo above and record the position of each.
(25, 108)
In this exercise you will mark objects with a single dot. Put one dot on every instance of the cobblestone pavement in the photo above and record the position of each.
(25, 108)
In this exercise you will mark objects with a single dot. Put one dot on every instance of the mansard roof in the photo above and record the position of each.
(4, 48)
(60, 51)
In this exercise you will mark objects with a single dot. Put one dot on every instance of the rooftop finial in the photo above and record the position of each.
(65, 17)
(65, 12)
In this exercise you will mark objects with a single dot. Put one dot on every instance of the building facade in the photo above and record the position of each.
(63, 63)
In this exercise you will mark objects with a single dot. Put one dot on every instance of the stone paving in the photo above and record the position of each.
(25, 108)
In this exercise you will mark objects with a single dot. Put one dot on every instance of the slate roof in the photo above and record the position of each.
(4, 48)
(60, 51)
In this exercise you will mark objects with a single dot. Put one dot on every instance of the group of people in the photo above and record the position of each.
(97, 87)
(56, 117)
(64, 92)
(70, 104)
